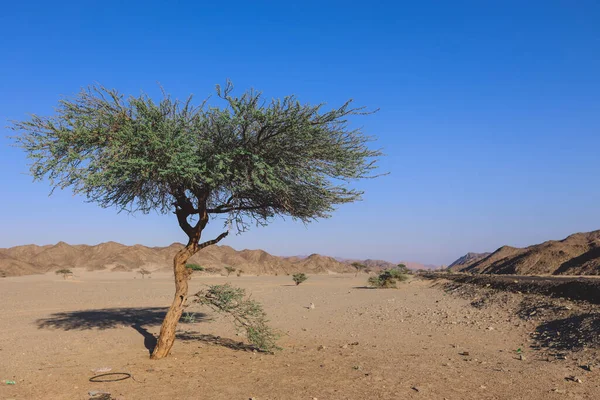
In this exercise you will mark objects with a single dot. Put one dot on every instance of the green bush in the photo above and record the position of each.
(299, 278)
(189, 317)
(195, 267)
(403, 269)
(247, 314)
(388, 278)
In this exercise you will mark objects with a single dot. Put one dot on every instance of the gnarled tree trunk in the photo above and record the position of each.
(183, 209)
(169, 325)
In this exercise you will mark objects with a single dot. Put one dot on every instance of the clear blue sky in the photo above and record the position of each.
(490, 112)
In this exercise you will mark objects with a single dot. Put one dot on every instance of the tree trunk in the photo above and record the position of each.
(167, 330)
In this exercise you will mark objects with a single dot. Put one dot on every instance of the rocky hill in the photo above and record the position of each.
(32, 259)
(578, 254)
(467, 260)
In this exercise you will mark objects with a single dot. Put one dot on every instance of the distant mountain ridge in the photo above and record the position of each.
(33, 259)
(578, 254)
(467, 259)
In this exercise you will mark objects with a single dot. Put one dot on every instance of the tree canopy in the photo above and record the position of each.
(250, 159)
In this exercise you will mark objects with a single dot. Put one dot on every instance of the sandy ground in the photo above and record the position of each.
(410, 343)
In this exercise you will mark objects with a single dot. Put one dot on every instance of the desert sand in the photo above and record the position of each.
(415, 342)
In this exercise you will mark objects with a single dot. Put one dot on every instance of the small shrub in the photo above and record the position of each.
(229, 269)
(387, 279)
(194, 267)
(189, 317)
(144, 272)
(299, 278)
(240, 272)
(247, 314)
(64, 272)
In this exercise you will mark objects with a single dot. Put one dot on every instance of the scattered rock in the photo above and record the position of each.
(416, 389)
(99, 395)
(573, 378)
(321, 347)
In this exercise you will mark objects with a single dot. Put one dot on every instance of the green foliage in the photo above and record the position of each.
(189, 317)
(194, 267)
(64, 272)
(247, 314)
(229, 269)
(402, 268)
(388, 278)
(250, 158)
(299, 278)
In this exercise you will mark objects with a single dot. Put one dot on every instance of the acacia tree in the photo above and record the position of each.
(144, 272)
(247, 161)
(403, 269)
(64, 272)
(359, 267)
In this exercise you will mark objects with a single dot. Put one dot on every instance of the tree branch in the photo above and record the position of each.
(222, 209)
(214, 241)
(217, 209)
(183, 222)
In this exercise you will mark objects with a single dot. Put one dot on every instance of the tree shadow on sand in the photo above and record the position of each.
(136, 318)
(218, 340)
